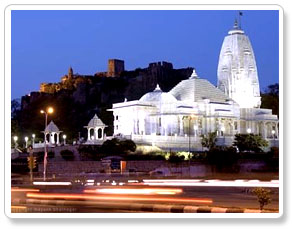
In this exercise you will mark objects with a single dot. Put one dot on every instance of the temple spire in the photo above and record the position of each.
(157, 88)
(235, 24)
(239, 19)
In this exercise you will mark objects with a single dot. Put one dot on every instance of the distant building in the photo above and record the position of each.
(115, 67)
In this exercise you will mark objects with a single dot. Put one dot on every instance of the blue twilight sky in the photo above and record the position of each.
(46, 43)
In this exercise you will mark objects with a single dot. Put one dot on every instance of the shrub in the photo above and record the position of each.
(118, 147)
(67, 155)
(263, 196)
(223, 158)
(249, 142)
(175, 158)
(210, 140)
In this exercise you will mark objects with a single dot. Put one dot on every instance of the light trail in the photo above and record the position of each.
(18, 207)
(118, 198)
(51, 183)
(24, 190)
(143, 191)
(213, 183)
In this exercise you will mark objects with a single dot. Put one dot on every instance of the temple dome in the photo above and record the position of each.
(158, 96)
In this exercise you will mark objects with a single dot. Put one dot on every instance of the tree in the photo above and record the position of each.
(210, 140)
(270, 98)
(128, 145)
(15, 106)
(249, 142)
(263, 196)
(118, 147)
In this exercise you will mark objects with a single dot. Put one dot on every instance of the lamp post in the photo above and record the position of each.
(33, 137)
(49, 110)
(15, 138)
(248, 130)
(26, 139)
(64, 137)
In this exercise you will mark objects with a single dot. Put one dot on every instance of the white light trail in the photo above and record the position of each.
(51, 183)
(213, 183)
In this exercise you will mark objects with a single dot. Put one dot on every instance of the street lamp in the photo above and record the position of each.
(49, 110)
(26, 139)
(15, 138)
(64, 137)
(248, 130)
(33, 137)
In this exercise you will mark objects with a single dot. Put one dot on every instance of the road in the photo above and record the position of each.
(134, 196)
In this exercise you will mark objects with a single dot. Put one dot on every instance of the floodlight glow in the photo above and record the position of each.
(15, 138)
(248, 130)
(50, 110)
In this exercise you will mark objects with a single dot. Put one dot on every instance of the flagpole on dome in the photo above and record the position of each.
(239, 19)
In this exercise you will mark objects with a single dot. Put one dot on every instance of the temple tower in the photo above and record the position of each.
(237, 71)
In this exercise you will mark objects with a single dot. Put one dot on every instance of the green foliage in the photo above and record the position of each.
(67, 155)
(175, 158)
(128, 145)
(263, 196)
(249, 142)
(15, 107)
(270, 98)
(223, 158)
(118, 147)
(209, 141)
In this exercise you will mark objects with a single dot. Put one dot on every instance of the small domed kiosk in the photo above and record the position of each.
(53, 131)
(95, 130)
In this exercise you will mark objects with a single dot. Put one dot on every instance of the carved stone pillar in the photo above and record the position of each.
(88, 134)
(181, 126)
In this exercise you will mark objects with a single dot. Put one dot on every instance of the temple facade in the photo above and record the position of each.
(176, 120)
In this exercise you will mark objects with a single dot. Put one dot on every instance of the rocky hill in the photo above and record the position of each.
(77, 97)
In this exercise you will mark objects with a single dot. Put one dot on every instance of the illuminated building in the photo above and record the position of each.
(176, 119)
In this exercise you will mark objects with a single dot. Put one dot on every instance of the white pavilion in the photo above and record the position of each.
(53, 131)
(95, 131)
(176, 119)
